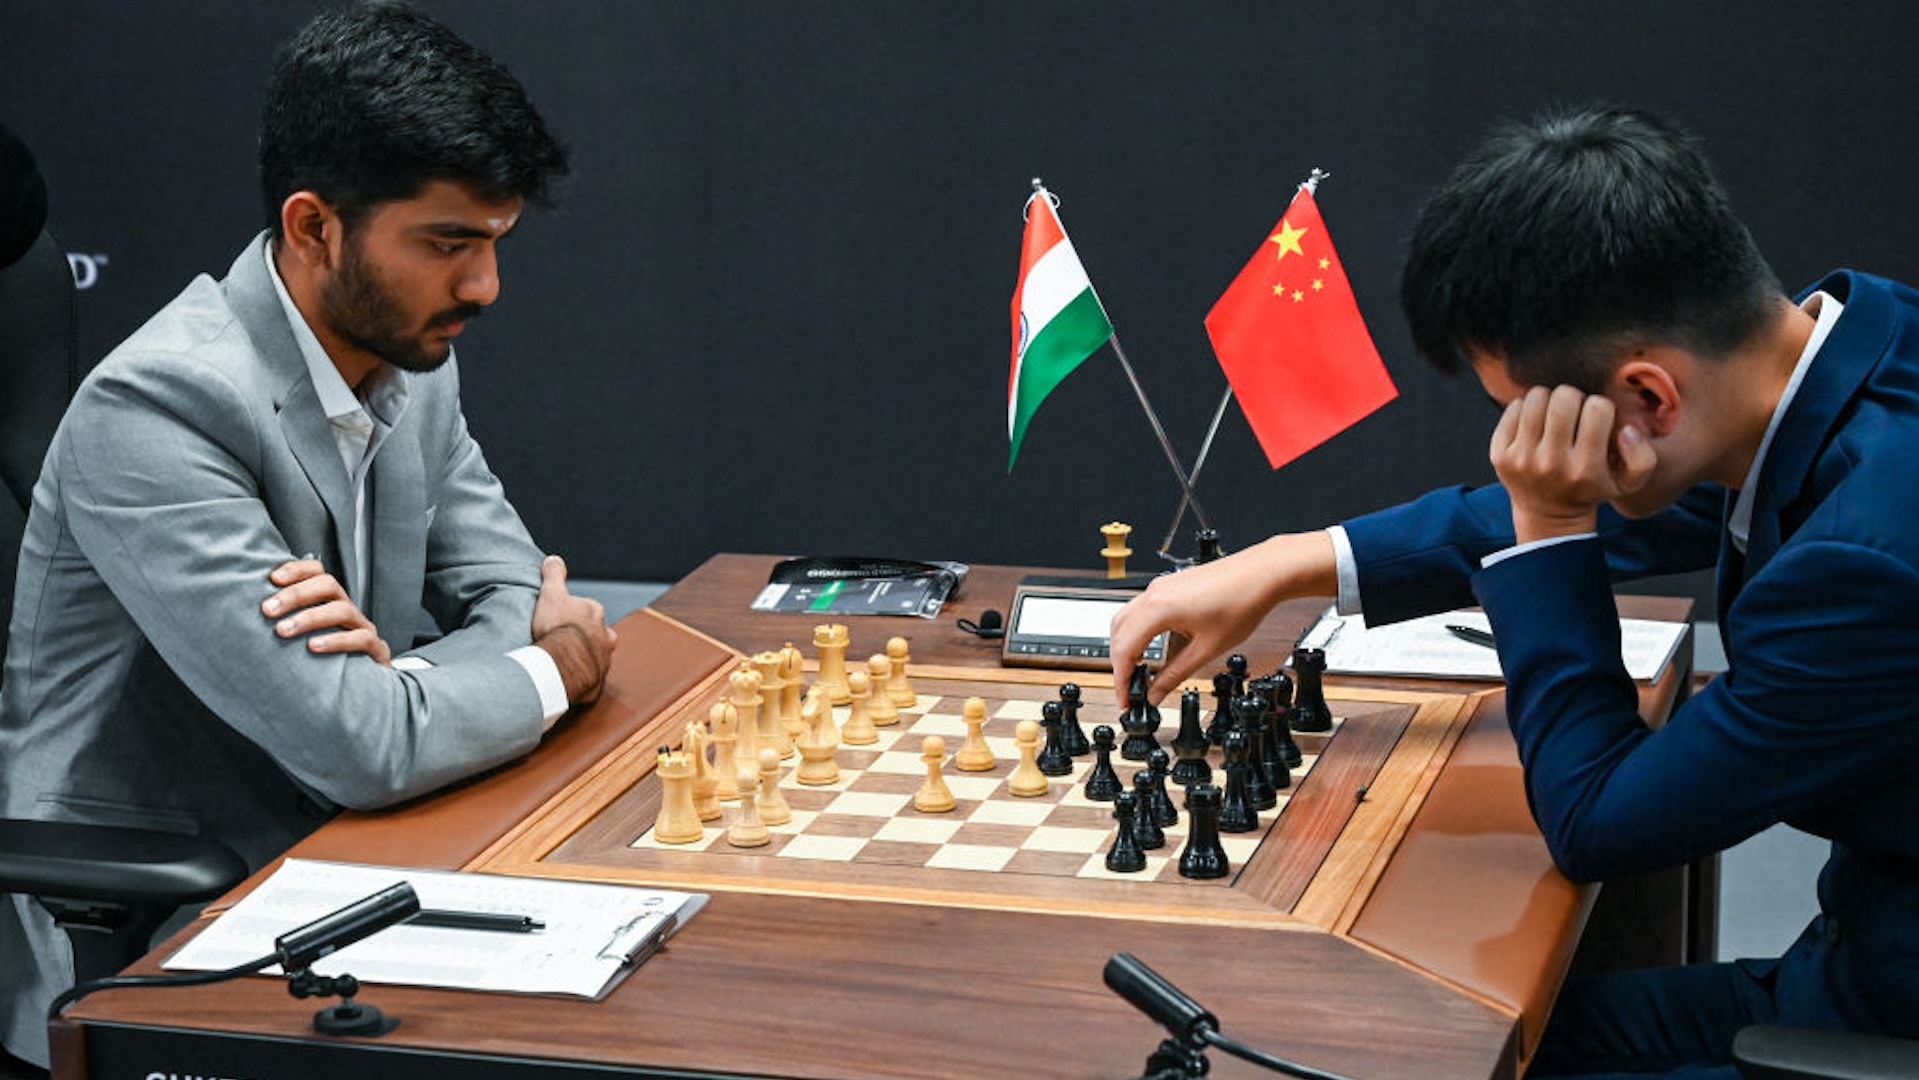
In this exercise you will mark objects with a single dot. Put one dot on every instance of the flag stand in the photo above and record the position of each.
(1311, 187)
(1192, 478)
(1187, 495)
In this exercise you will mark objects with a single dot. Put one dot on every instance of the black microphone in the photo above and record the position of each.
(298, 949)
(1180, 1015)
(991, 625)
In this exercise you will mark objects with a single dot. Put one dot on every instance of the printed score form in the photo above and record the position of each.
(1426, 648)
(592, 935)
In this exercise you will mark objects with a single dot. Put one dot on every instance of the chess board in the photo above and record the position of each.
(861, 837)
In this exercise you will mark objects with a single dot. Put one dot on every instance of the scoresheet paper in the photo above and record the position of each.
(1425, 648)
(593, 935)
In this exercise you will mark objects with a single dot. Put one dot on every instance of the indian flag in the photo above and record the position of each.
(1057, 320)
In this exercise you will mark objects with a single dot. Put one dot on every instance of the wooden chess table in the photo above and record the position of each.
(1401, 919)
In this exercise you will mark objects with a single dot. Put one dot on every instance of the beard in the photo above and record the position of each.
(364, 309)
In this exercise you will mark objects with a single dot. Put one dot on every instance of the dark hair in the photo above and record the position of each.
(369, 104)
(1565, 241)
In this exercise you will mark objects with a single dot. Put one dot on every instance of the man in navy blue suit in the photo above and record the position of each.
(1666, 407)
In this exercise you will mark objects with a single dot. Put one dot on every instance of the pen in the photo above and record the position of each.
(1469, 633)
(477, 920)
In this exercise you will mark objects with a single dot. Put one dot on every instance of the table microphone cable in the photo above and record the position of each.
(186, 978)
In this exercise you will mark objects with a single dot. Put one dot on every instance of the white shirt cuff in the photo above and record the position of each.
(1348, 568)
(1532, 545)
(546, 679)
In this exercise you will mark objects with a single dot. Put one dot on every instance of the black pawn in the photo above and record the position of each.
(1103, 784)
(1127, 857)
(1141, 718)
(1146, 827)
(1249, 713)
(1164, 811)
(1309, 711)
(1189, 746)
(1053, 760)
(1204, 857)
(1273, 737)
(1070, 732)
(1236, 814)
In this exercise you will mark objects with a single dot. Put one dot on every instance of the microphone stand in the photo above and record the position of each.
(295, 951)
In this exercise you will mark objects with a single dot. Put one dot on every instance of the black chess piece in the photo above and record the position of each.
(1273, 737)
(1282, 696)
(1189, 746)
(1204, 857)
(1281, 703)
(1237, 666)
(1070, 732)
(1309, 711)
(1103, 785)
(1249, 713)
(1222, 707)
(1236, 814)
(1126, 856)
(1053, 760)
(1146, 827)
(1164, 811)
(1141, 718)
(1209, 550)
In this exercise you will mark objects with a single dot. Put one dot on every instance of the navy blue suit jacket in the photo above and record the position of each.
(1816, 722)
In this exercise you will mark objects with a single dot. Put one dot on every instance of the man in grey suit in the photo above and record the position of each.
(251, 500)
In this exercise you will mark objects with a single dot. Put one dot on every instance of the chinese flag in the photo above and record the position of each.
(1290, 338)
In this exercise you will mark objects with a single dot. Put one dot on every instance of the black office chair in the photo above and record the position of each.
(109, 888)
(1780, 1053)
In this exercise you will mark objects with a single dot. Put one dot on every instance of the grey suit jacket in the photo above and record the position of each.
(144, 687)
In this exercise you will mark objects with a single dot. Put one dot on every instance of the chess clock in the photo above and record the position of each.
(1064, 622)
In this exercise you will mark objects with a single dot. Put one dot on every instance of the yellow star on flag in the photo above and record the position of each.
(1287, 238)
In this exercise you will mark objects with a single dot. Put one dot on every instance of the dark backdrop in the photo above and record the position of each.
(770, 310)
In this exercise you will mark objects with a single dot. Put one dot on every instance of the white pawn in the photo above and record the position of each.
(747, 829)
(934, 796)
(880, 708)
(974, 754)
(1027, 780)
(859, 729)
(898, 687)
(773, 806)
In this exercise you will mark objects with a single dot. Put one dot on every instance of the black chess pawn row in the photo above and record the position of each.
(1145, 812)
